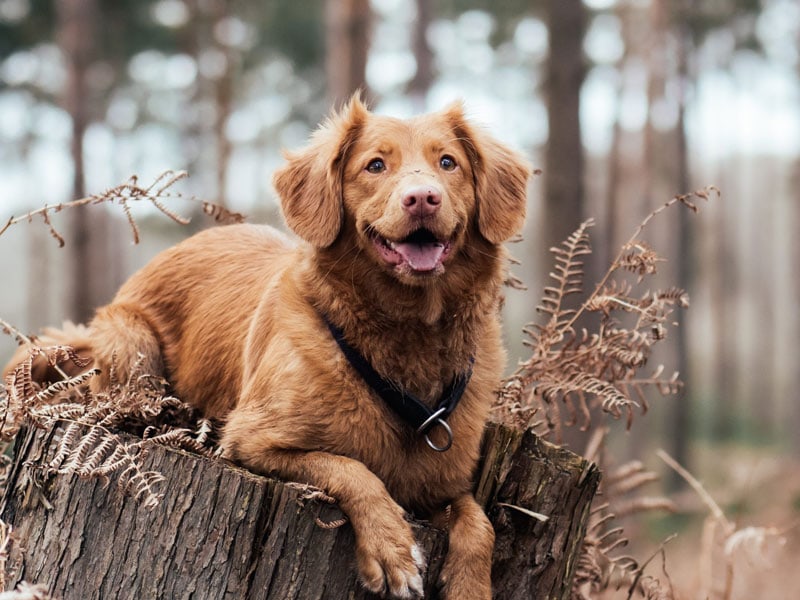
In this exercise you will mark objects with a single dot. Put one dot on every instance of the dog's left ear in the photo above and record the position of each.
(310, 184)
(500, 175)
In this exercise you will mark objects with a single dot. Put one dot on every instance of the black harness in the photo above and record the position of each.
(407, 406)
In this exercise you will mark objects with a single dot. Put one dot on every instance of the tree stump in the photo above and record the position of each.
(223, 532)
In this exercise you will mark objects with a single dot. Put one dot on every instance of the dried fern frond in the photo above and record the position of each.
(23, 400)
(648, 586)
(95, 452)
(638, 257)
(222, 215)
(18, 336)
(131, 191)
(578, 369)
(29, 343)
(59, 387)
(184, 439)
(141, 485)
(621, 493)
(310, 492)
(568, 280)
(85, 444)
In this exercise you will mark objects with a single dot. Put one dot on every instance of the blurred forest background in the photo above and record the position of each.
(622, 103)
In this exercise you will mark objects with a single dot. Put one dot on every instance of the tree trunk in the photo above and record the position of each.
(681, 420)
(347, 25)
(75, 20)
(223, 102)
(564, 161)
(419, 86)
(794, 375)
(725, 290)
(563, 208)
(223, 532)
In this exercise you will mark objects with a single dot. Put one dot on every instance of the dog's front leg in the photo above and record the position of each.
(467, 570)
(389, 560)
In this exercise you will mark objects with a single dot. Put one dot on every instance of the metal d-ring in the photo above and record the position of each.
(432, 421)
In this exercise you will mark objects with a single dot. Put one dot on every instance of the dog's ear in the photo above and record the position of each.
(310, 184)
(500, 176)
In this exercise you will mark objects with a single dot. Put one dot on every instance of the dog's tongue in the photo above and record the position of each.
(420, 257)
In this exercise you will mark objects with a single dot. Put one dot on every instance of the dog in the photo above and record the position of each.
(362, 358)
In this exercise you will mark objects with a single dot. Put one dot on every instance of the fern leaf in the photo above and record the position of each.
(68, 411)
(113, 462)
(63, 386)
(638, 257)
(568, 272)
(77, 455)
(65, 445)
(21, 381)
(60, 354)
(101, 451)
(131, 222)
(222, 215)
(140, 484)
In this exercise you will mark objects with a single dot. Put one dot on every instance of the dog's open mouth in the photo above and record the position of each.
(422, 251)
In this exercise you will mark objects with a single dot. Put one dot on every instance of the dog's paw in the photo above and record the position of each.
(392, 569)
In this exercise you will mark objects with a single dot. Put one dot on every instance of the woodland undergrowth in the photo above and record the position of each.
(589, 361)
(588, 357)
(90, 440)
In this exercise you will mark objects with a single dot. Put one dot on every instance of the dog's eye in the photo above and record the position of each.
(376, 165)
(447, 162)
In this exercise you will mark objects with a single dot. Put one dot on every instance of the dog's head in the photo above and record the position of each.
(411, 191)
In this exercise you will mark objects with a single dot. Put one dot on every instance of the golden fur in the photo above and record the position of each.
(232, 318)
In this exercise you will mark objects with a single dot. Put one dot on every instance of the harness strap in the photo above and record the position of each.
(406, 405)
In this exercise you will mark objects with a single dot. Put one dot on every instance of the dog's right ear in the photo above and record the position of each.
(310, 185)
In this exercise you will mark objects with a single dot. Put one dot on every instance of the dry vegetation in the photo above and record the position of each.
(588, 358)
(578, 368)
(131, 192)
(89, 444)
(600, 368)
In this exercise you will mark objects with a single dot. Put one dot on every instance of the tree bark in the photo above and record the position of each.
(75, 35)
(725, 290)
(347, 25)
(564, 208)
(223, 532)
(564, 160)
(223, 103)
(419, 86)
(681, 418)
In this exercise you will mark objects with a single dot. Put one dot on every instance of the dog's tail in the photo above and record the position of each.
(48, 367)
(118, 338)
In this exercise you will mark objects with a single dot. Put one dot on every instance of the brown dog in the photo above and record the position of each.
(401, 265)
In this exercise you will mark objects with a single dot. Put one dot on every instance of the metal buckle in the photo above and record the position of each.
(431, 422)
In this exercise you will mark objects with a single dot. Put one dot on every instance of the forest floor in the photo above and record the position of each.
(758, 490)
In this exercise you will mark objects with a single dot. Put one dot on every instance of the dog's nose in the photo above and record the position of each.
(422, 201)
